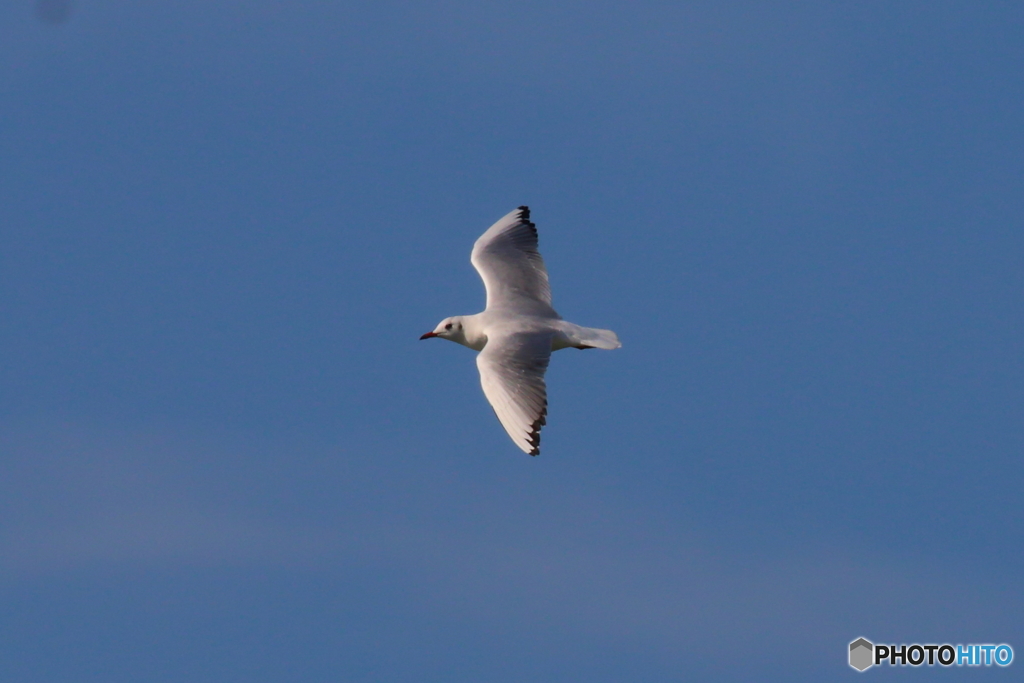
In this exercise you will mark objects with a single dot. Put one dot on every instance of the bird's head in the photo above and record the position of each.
(449, 328)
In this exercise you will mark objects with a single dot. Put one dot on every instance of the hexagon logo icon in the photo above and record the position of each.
(861, 654)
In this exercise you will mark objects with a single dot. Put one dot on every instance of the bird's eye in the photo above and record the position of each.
(448, 326)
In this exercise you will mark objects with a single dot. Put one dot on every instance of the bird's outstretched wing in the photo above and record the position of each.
(512, 371)
(511, 267)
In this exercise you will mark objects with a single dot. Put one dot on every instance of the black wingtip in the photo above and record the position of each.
(534, 437)
(524, 216)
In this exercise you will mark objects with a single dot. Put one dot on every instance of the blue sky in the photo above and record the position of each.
(225, 455)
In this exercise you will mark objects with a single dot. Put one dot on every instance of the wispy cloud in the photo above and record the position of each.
(76, 499)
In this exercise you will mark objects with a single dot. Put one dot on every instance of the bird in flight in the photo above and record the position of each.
(518, 330)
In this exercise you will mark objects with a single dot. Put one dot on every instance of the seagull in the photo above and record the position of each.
(518, 329)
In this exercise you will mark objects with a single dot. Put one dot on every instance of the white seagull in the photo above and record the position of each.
(518, 330)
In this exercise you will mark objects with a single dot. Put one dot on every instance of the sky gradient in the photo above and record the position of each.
(225, 455)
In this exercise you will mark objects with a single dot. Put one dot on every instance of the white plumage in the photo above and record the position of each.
(518, 330)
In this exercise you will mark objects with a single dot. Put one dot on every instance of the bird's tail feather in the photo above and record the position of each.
(598, 339)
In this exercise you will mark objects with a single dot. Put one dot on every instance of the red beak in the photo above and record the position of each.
(428, 335)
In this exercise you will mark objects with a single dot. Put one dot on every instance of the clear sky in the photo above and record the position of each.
(225, 456)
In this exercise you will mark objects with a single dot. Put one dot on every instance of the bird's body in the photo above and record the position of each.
(519, 329)
(477, 329)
